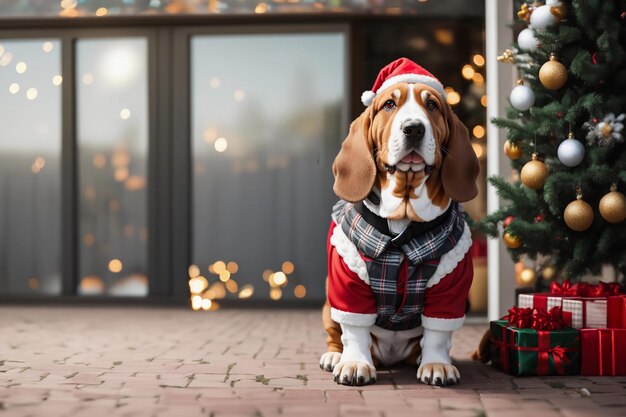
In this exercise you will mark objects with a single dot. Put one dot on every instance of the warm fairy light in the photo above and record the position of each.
(260, 8)
(135, 183)
(143, 234)
(219, 290)
(21, 67)
(239, 95)
(14, 88)
(88, 79)
(267, 274)
(478, 79)
(299, 291)
(91, 285)
(193, 271)
(287, 267)
(221, 144)
(453, 98)
(209, 135)
(478, 131)
(215, 82)
(483, 100)
(120, 174)
(68, 4)
(206, 304)
(57, 80)
(119, 64)
(444, 36)
(467, 72)
(479, 60)
(479, 149)
(198, 284)
(114, 205)
(33, 283)
(448, 90)
(40, 162)
(231, 286)
(219, 266)
(224, 276)
(125, 114)
(246, 291)
(196, 302)
(34, 168)
(1, 49)
(120, 158)
(232, 267)
(89, 239)
(115, 265)
(279, 278)
(90, 192)
(6, 59)
(276, 293)
(31, 93)
(102, 11)
(47, 46)
(99, 160)
(129, 230)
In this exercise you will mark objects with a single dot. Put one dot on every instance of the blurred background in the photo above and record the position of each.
(180, 151)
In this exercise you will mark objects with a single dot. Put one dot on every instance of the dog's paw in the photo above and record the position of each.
(354, 373)
(440, 374)
(329, 360)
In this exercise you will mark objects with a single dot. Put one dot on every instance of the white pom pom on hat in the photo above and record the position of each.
(399, 71)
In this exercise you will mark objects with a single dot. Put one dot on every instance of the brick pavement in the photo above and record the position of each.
(173, 362)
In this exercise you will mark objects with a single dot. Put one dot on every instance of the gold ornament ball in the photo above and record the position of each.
(613, 207)
(512, 150)
(534, 174)
(578, 215)
(548, 273)
(511, 241)
(553, 74)
(527, 277)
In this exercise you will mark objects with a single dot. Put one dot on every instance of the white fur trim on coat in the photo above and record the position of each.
(451, 259)
(435, 323)
(352, 319)
(349, 254)
(368, 96)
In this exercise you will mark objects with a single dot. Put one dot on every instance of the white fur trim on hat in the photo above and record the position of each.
(368, 96)
(435, 323)
(352, 319)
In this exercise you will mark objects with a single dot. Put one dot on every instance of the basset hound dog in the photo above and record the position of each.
(399, 270)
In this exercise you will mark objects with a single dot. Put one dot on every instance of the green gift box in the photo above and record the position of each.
(522, 352)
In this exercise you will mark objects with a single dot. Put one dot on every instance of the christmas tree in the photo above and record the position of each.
(566, 139)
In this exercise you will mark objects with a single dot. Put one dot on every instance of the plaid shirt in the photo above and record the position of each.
(399, 304)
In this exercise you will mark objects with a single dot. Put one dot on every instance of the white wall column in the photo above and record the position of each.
(500, 81)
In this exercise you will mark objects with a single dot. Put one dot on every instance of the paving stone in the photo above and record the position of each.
(127, 362)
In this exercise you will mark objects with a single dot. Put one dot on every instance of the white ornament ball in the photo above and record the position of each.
(552, 3)
(542, 17)
(526, 40)
(522, 98)
(571, 152)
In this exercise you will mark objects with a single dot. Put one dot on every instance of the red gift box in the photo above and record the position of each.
(602, 352)
(616, 312)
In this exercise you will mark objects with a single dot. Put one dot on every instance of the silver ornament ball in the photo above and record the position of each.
(571, 152)
(522, 97)
(526, 40)
(542, 17)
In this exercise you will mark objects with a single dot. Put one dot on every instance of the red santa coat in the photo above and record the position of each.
(353, 302)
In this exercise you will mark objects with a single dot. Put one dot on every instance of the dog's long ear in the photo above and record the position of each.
(460, 165)
(354, 168)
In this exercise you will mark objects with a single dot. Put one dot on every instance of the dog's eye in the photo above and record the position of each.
(432, 105)
(389, 105)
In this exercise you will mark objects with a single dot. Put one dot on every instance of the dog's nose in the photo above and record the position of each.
(413, 129)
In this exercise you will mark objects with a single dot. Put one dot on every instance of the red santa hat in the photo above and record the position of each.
(402, 70)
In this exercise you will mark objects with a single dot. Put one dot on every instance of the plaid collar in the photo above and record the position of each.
(372, 243)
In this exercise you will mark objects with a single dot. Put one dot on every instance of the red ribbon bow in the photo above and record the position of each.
(584, 289)
(535, 318)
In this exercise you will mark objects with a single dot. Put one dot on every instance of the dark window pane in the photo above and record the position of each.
(268, 115)
(30, 174)
(112, 147)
